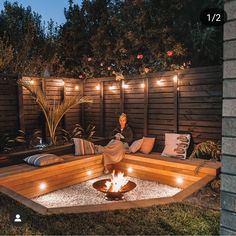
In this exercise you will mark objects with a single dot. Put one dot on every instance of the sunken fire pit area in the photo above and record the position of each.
(147, 180)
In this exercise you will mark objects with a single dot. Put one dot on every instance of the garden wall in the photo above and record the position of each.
(228, 176)
(155, 103)
(8, 103)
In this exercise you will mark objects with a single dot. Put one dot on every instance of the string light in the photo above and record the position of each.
(31, 81)
(89, 172)
(142, 85)
(62, 83)
(125, 86)
(98, 87)
(159, 82)
(77, 87)
(111, 87)
(175, 78)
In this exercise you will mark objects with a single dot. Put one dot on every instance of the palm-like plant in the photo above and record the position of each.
(53, 113)
(79, 132)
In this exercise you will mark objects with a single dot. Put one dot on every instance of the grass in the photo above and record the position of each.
(173, 219)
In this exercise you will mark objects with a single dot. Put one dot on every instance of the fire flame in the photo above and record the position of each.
(117, 182)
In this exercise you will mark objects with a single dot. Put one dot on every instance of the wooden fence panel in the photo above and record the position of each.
(72, 88)
(200, 106)
(161, 108)
(111, 106)
(92, 110)
(9, 122)
(134, 105)
(192, 104)
(33, 117)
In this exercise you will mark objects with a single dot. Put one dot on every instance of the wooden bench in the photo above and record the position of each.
(31, 181)
(166, 170)
(27, 180)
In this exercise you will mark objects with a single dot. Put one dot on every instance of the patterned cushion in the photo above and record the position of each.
(83, 147)
(176, 145)
(135, 146)
(43, 159)
(147, 145)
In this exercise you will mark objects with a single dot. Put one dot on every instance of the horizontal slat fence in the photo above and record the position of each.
(155, 104)
(9, 121)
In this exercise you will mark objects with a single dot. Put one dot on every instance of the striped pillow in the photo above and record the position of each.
(43, 159)
(83, 147)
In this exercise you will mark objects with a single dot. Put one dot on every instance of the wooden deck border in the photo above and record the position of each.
(23, 186)
(107, 206)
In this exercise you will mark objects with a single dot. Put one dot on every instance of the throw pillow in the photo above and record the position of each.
(83, 147)
(176, 145)
(135, 146)
(147, 145)
(43, 159)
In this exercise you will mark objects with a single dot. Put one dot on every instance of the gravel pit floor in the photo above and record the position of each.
(85, 194)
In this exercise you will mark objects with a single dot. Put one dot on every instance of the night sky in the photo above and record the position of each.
(53, 9)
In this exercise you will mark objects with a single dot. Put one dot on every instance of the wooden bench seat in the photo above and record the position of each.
(27, 180)
(167, 170)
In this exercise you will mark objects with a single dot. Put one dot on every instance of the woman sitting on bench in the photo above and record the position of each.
(115, 150)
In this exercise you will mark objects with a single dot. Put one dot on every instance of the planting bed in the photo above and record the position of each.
(28, 184)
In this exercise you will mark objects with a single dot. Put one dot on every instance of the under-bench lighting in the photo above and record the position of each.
(130, 169)
(179, 180)
(42, 186)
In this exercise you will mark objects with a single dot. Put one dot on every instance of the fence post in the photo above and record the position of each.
(20, 106)
(44, 125)
(176, 105)
(146, 88)
(82, 105)
(63, 96)
(101, 84)
(122, 96)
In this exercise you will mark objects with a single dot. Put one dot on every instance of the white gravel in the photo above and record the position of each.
(85, 194)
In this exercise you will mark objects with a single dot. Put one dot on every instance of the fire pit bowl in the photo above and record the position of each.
(110, 195)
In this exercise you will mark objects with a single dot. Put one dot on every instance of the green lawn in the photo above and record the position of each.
(173, 219)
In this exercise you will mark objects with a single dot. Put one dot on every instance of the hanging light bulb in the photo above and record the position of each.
(159, 82)
(125, 86)
(98, 87)
(111, 87)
